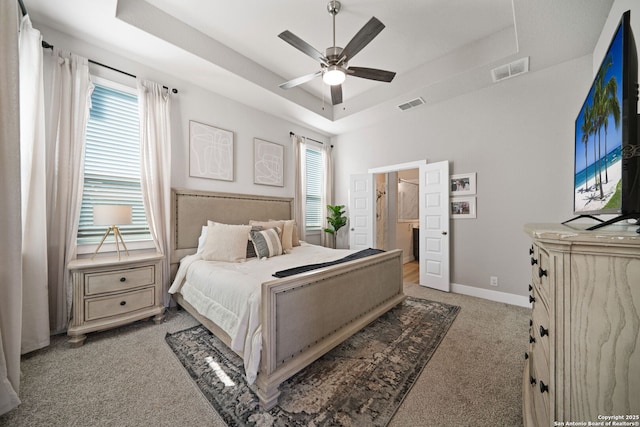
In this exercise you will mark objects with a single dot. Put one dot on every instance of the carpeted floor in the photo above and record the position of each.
(361, 382)
(130, 377)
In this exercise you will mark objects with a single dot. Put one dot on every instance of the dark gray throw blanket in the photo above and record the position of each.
(303, 268)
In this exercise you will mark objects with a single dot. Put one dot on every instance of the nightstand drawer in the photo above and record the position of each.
(98, 308)
(113, 281)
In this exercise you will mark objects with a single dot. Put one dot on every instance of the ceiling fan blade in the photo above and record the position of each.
(299, 80)
(371, 74)
(336, 94)
(303, 46)
(367, 33)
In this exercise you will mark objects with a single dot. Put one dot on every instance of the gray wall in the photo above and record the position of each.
(517, 136)
(194, 103)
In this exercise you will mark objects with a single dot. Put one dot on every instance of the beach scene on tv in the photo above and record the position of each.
(598, 165)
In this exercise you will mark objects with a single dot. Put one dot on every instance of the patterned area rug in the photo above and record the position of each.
(362, 382)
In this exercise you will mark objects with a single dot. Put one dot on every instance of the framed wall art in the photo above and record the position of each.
(463, 184)
(210, 152)
(463, 207)
(268, 163)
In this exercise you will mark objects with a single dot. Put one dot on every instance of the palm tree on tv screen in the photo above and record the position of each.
(611, 108)
(605, 104)
(586, 129)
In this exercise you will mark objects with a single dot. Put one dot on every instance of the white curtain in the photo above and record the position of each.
(327, 197)
(35, 311)
(68, 112)
(299, 154)
(10, 220)
(155, 161)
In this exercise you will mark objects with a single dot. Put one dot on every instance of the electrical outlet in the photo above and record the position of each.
(494, 281)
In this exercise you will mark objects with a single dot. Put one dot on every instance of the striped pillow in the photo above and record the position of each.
(266, 242)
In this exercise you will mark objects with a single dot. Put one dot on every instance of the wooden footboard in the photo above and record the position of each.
(303, 316)
(306, 315)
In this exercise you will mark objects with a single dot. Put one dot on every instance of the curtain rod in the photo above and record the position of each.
(46, 45)
(310, 139)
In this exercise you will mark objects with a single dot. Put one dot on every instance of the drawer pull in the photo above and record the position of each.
(543, 387)
(543, 331)
(531, 250)
(530, 288)
(531, 299)
(533, 261)
(123, 279)
(532, 339)
(532, 381)
(530, 322)
(526, 356)
(541, 272)
(123, 303)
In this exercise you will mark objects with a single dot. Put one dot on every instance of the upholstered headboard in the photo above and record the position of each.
(191, 209)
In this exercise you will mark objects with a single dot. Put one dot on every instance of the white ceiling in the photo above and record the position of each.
(439, 48)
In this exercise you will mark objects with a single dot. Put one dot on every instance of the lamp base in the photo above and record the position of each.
(118, 238)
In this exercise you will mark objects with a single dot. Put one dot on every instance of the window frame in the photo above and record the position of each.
(110, 246)
(316, 147)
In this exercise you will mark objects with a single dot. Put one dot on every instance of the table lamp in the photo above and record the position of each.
(112, 215)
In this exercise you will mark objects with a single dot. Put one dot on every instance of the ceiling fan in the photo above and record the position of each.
(334, 65)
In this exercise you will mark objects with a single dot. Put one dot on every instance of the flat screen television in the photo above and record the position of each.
(607, 150)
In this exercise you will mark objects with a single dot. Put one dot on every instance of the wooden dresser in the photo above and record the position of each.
(583, 361)
(110, 292)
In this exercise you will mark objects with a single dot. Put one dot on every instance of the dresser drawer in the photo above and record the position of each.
(540, 389)
(528, 408)
(541, 332)
(114, 281)
(540, 270)
(114, 305)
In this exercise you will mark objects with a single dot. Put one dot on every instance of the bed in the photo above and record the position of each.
(299, 317)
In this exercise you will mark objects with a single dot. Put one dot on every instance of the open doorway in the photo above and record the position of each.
(397, 212)
(377, 198)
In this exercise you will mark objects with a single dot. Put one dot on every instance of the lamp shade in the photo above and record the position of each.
(111, 214)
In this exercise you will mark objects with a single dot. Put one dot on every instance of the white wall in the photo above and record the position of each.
(517, 136)
(195, 103)
(617, 9)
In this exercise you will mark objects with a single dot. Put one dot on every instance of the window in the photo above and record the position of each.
(314, 209)
(112, 162)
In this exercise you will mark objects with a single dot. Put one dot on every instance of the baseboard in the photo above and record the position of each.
(491, 295)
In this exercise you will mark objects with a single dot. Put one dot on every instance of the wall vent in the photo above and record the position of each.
(411, 104)
(512, 69)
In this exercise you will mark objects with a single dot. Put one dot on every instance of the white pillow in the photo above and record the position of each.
(225, 242)
(201, 239)
(289, 234)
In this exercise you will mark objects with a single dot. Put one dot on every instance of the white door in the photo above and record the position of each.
(361, 211)
(434, 225)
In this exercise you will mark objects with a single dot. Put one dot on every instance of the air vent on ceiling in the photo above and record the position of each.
(411, 104)
(512, 69)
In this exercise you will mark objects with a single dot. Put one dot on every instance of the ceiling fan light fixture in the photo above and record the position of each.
(334, 75)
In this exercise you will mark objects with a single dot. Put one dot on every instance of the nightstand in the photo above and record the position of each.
(108, 292)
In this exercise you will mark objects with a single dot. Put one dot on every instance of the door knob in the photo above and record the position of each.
(444, 233)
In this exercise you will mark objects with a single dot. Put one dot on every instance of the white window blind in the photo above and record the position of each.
(314, 211)
(112, 163)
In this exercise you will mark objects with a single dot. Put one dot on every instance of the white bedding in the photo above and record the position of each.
(228, 293)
